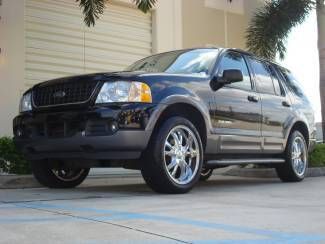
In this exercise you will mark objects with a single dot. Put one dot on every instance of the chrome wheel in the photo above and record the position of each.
(67, 174)
(299, 156)
(181, 155)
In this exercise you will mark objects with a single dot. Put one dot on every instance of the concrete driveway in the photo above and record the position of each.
(124, 210)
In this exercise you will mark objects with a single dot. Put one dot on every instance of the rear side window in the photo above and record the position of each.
(277, 87)
(233, 60)
(291, 82)
(263, 76)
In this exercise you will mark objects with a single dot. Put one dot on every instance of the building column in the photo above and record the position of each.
(12, 61)
(167, 26)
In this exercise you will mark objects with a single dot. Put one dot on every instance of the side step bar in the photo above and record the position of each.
(225, 162)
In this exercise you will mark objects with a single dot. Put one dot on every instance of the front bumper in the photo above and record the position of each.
(121, 145)
(103, 133)
(312, 145)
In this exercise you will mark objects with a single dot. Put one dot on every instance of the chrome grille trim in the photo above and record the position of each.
(73, 90)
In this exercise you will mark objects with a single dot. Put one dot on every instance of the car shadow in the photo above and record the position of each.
(214, 184)
(135, 187)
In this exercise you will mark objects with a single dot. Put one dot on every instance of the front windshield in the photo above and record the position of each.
(198, 61)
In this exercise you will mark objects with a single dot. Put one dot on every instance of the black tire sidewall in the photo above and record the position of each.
(44, 175)
(286, 171)
(155, 163)
(289, 152)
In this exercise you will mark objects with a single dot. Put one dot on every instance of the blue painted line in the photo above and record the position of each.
(269, 236)
(7, 207)
(29, 219)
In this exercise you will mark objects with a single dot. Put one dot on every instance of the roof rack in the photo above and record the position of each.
(241, 51)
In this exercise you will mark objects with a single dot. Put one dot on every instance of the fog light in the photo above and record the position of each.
(114, 127)
(19, 133)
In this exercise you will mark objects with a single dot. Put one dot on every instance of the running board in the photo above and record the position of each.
(224, 162)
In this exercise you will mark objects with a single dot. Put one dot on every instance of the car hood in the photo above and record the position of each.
(92, 77)
(124, 75)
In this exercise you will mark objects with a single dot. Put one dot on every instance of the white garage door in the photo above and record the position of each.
(59, 44)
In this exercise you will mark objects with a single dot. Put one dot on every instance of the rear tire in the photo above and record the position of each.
(59, 177)
(173, 160)
(296, 154)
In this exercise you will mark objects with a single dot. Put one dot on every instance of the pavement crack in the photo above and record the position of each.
(104, 222)
(69, 199)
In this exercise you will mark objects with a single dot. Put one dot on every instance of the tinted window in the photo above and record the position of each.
(234, 60)
(263, 75)
(292, 83)
(199, 61)
(276, 83)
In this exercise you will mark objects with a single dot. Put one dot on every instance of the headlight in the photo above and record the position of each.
(124, 91)
(26, 103)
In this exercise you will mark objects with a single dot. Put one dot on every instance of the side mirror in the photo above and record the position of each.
(230, 76)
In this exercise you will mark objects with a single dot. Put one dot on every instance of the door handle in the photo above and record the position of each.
(286, 104)
(252, 98)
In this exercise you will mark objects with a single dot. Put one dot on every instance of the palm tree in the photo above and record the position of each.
(271, 25)
(92, 9)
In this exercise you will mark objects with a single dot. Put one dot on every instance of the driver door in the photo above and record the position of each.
(238, 112)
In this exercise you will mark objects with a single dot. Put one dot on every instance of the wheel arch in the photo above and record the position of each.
(188, 110)
(302, 127)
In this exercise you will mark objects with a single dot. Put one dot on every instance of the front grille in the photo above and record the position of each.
(58, 128)
(63, 93)
(67, 128)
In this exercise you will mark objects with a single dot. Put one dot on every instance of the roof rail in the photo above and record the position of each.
(241, 51)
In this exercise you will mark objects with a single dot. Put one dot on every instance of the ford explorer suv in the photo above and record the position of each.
(175, 116)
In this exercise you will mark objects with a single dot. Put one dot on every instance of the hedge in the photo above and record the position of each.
(317, 157)
(11, 161)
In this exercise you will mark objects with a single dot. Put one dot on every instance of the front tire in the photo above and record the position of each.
(59, 176)
(296, 154)
(173, 161)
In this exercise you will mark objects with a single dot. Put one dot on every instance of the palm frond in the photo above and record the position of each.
(145, 5)
(92, 9)
(268, 31)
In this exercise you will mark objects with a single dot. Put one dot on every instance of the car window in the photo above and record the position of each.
(291, 82)
(263, 75)
(234, 60)
(277, 87)
(199, 61)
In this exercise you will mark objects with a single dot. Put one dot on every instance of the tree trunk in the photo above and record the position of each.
(321, 47)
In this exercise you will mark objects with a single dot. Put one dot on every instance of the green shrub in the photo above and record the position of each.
(11, 161)
(317, 157)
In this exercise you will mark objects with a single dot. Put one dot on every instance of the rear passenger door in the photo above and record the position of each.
(276, 106)
(237, 116)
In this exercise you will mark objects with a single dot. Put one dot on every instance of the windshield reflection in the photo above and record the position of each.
(199, 61)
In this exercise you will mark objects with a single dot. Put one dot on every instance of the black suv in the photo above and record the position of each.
(176, 116)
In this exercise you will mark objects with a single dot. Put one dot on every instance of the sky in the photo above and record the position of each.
(302, 59)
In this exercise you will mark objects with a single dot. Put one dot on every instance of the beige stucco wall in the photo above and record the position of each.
(204, 26)
(167, 26)
(201, 25)
(11, 61)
